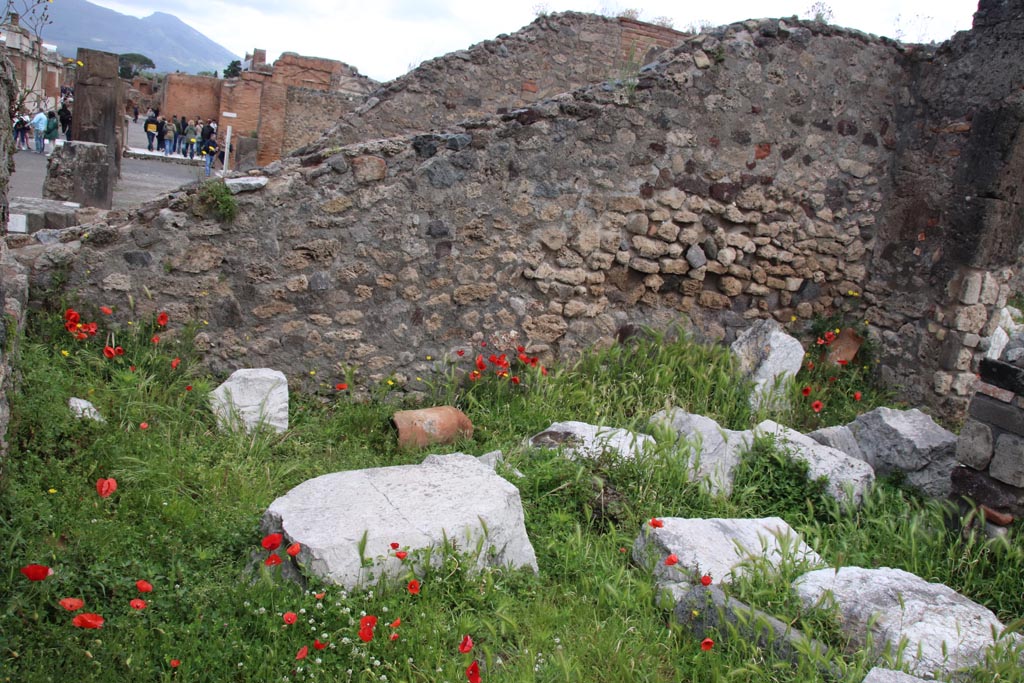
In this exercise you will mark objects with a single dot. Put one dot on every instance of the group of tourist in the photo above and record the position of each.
(46, 128)
(180, 136)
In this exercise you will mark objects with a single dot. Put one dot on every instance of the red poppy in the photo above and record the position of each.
(118, 351)
(396, 623)
(175, 363)
(106, 310)
(414, 587)
(480, 364)
(105, 487)
(394, 546)
(302, 653)
(108, 351)
(842, 362)
(460, 353)
(72, 316)
(271, 541)
(272, 560)
(143, 426)
(543, 371)
(473, 672)
(656, 523)
(671, 560)
(155, 339)
(175, 663)
(821, 341)
(806, 391)
(401, 554)
(188, 387)
(317, 645)
(144, 586)
(520, 349)
(72, 604)
(87, 620)
(810, 365)
(483, 343)
(290, 618)
(138, 603)
(320, 596)
(515, 380)
(341, 386)
(466, 645)
(474, 376)
(162, 319)
(366, 634)
(817, 406)
(857, 396)
(705, 580)
(293, 549)
(831, 379)
(36, 572)
(707, 644)
(394, 636)
(523, 358)
(369, 621)
(830, 337)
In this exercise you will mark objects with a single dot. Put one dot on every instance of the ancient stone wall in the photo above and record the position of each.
(194, 97)
(308, 111)
(554, 54)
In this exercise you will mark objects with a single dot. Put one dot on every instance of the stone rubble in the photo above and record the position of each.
(769, 356)
(252, 398)
(582, 440)
(714, 451)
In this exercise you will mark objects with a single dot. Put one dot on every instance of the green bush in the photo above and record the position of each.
(216, 199)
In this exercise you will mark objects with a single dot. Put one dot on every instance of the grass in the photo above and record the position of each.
(186, 512)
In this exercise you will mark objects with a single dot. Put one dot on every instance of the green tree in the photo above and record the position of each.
(131, 64)
(233, 70)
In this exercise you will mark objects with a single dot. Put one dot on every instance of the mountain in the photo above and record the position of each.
(169, 42)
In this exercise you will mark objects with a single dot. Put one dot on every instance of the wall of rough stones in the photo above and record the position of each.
(554, 54)
(322, 107)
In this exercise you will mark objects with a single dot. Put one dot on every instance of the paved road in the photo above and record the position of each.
(141, 179)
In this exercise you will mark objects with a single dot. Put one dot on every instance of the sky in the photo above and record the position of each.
(384, 39)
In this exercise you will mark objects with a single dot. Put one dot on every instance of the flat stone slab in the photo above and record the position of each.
(246, 184)
(880, 675)
(768, 355)
(454, 497)
(250, 398)
(849, 479)
(45, 214)
(715, 452)
(719, 547)
(944, 631)
(582, 440)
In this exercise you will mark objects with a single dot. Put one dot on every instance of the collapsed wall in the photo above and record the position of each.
(768, 168)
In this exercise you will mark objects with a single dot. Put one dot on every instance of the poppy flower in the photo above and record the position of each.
(271, 541)
(656, 523)
(474, 376)
(523, 358)
(842, 362)
(705, 580)
(72, 316)
(320, 596)
(143, 426)
(821, 341)
(366, 634)
(341, 386)
(162, 319)
(369, 621)
(466, 645)
(707, 644)
(394, 636)
(520, 349)
(830, 337)
(817, 406)
(175, 363)
(106, 310)
(395, 546)
(401, 554)
(105, 487)
(671, 560)
(175, 663)
(806, 391)
(188, 387)
(460, 353)
(317, 645)
(810, 365)
(72, 604)
(515, 380)
(302, 653)
(138, 603)
(480, 364)
(118, 351)
(155, 339)
(272, 560)
(290, 618)
(543, 371)
(414, 587)
(396, 623)
(108, 351)
(36, 572)
(857, 396)
(473, 672)
(143, 586)
(87, 620)
(293, 549)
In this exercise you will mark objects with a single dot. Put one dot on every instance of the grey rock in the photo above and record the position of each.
(841, 438)
(1008, 460)
(714, 452)
(84, 410)
(246, 184)
(911, 442)
(974, 445)
(723, 548)
(997, 343)
(250, 398)
(880, 675)
(448, 498)
(849, 478)
(695, 256)
(769, 357)
(582, 440)
(942, 630)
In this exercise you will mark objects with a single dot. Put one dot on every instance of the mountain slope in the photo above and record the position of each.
(169, 42)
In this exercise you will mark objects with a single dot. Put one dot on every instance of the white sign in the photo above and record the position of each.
(229, 114)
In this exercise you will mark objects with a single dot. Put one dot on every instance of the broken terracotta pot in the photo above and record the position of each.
(429, 426)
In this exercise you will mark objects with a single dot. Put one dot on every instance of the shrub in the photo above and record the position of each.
(216, 199)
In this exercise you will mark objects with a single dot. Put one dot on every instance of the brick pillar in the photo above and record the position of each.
(99, 103)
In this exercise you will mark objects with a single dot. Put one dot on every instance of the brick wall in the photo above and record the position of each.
(191, 96)
(273, 105)
(242, 96)
(640, 43)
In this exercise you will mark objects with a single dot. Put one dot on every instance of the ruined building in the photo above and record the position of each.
(39, 70)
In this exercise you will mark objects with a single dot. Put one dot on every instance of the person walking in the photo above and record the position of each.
(151, 127)
(161, 133)
(189, 140)
(39, 130)
(209, 151)
(64, 115)
(135, 114)
(52, 131)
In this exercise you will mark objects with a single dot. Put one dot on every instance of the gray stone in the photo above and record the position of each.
(81, 172)
(880, 675)
(974, 445)
(970, 290)
(246, 184)
(722, 548)
(84, 410)
(45, 214)
(911, 442)
(582, 440)
(1008, 461)
(841, 438)
(849, 478)
(714, 452)
(448, 498)
(250, 398)
(695, 256)
(938, 630)
(997, 343)
(769, 357)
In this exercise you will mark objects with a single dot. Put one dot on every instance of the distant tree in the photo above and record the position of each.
(820, 11)
(207, 73)
(630, 13)
(233, 70)
(131, 64)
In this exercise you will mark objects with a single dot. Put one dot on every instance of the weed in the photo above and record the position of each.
(215, 199)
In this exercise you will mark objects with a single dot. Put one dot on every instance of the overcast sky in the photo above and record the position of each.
(385, 38)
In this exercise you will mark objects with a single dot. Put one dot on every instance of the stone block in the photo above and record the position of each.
(1002, 375)
(368, 168)
(1007, 417)
(974, 445)
(984, 490)
(970, 289)
(251, 398)
(81, 172)
(1008, 460)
